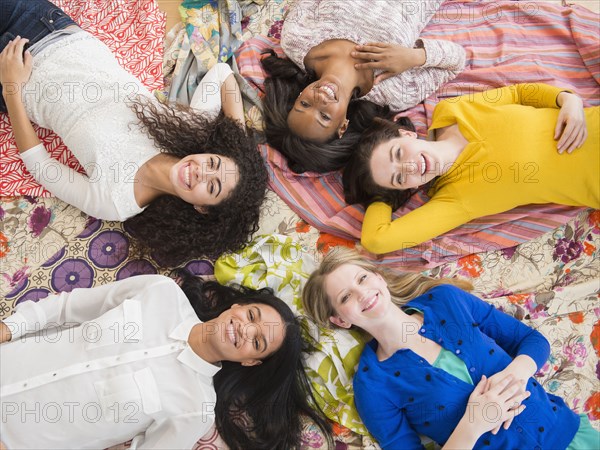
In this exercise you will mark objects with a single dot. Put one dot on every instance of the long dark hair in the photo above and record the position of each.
(359, 186)
(258, 407)
(284, 83)
(170, 229)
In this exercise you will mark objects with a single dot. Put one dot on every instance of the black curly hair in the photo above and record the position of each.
(170, 229)
(284, 83)
(258, 407)
(359, 186)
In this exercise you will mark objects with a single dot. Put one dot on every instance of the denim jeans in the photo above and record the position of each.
(31, 19)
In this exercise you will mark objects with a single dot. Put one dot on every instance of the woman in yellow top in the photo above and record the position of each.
(492, 151)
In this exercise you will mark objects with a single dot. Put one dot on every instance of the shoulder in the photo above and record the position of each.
(162, 288)
(368, 372)
(447, 294)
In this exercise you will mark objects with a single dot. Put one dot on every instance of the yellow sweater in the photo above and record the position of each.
(511, 160)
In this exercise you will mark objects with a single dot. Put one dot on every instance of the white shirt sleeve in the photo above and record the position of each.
(176, 432)
(207, 97)
(69, 185)
(77, 306)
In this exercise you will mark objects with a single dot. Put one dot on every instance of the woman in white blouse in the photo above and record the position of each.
(134, 359)
(189, 184)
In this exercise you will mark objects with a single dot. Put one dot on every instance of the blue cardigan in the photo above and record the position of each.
(405, 396)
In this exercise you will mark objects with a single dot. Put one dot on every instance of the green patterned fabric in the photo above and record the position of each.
(283, 265)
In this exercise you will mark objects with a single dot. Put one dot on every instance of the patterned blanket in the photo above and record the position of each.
(551, 282)
(507, 43)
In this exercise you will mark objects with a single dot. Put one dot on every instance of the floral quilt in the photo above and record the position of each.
(551, 282)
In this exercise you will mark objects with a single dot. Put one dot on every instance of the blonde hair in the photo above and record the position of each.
(403, 287)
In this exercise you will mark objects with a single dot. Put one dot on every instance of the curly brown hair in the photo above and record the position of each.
(170, 229)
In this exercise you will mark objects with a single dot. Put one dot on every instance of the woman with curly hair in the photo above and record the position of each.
(161, 369)
(312, 110)
(200, 170)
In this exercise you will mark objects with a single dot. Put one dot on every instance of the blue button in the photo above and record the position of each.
(440, 340)
(519, 429)
(472, 369)
(423, 330)
(457, 351)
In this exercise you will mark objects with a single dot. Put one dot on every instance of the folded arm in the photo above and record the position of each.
(78, 190)
(571, 128)
(381, 234)
(75, 307)
(396, 59)
(219, 90)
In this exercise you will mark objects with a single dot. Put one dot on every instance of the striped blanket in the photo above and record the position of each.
(507, 43)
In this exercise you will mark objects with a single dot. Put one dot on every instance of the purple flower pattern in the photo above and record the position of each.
(34, 295)
(200, 267)
(576, 353)
(108, 249)
(72, 273)
(567, 250)
(39, 220)
(135, 267)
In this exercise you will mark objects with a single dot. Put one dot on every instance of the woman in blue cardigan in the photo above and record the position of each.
(442, 363)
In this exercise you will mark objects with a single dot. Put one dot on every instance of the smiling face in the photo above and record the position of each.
(357, 296)
(404, 162)
(319, 112)
(204, 179)
(249, 333)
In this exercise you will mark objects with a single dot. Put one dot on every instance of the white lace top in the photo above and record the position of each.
(79, 90)
(310, 22)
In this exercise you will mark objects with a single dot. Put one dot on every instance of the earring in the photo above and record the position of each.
(343, 128)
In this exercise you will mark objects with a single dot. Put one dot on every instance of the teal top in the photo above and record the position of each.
(452, 364)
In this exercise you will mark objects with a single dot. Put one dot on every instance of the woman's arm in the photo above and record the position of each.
(219, 90)
(231, 97)
(15, 70)
(475, 422)
(77, 306)
(512, 335)
(70, 186)
(395, 59)
(384, 420)
(380, 234)
(571, 127)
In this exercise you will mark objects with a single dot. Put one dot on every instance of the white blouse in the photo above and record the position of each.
(95, 367)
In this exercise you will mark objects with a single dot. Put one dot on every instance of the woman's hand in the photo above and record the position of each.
(490, 406)
(5, 334)
(570, 126)
(521, 369)
(391, 58)
(487, 408)
(15, 67)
